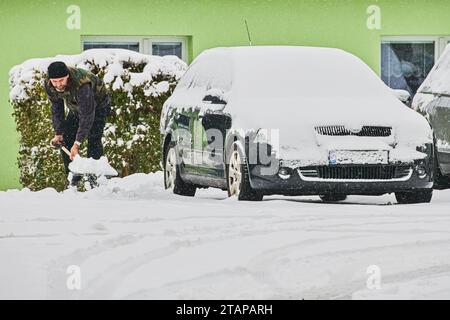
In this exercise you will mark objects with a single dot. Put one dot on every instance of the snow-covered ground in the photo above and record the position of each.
(132, 239)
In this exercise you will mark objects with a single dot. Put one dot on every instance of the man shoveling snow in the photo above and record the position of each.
(88, 104)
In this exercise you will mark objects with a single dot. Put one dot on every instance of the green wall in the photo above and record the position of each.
(37, 28)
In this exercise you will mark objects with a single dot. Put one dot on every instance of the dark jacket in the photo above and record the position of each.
(85, 96)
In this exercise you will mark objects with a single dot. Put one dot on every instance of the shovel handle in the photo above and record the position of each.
(60, 146)
(66, 151)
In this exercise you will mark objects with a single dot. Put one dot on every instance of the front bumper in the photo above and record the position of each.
(350, 180)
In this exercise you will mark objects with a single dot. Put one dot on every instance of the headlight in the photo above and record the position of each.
(421, 171)
(423, 149)
(284, 173)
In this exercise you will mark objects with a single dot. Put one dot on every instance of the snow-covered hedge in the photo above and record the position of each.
(139, 85)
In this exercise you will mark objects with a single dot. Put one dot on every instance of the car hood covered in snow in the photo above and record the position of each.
(294, 90)
(297, 137)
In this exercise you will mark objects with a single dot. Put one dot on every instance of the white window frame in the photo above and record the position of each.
(112, 39)
(145, 42)
(148, 44)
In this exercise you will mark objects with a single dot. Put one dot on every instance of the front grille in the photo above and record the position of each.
(309, 173)
(366, 131)
(361, 172)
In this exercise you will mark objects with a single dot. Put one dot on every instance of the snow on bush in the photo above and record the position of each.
(139, 84)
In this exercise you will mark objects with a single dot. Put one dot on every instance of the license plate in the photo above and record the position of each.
(358, 157)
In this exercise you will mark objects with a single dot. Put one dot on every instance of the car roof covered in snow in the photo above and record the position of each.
(283, 71)
(268, 72)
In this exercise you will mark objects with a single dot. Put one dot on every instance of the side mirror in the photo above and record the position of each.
(215, 96)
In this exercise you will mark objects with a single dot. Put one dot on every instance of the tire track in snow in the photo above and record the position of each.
(105, 285)
(262, 265)
(56, 270)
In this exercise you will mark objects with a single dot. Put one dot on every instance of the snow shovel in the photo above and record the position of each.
(89, 168)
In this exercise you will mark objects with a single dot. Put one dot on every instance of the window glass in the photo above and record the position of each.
(167, 48)
(134, 46)
(406, 65)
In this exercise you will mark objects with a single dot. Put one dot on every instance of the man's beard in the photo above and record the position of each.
(60, 89)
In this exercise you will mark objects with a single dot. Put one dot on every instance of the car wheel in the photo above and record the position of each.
(420, 196)
(172, 178)
(238, 178)
(333, 197)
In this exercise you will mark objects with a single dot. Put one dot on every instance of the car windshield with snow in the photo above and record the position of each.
(262, 120)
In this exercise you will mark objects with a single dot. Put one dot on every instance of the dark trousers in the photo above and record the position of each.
(94, 139)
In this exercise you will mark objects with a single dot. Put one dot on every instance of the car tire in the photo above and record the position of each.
(333, 197)
(419, 196)
(172, 178)
(238, 182)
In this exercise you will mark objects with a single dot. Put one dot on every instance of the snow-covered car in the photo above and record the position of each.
(292, 121)
(433, 101)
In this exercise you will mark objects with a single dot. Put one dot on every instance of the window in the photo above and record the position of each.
(163, 46)
(156, 45)
(406, 61)
(134, 46)
(166, 48)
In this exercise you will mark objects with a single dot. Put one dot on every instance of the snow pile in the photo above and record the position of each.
(135, 186)
(295, 89)
(100, 167)
(113, 61)
(138, 186)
